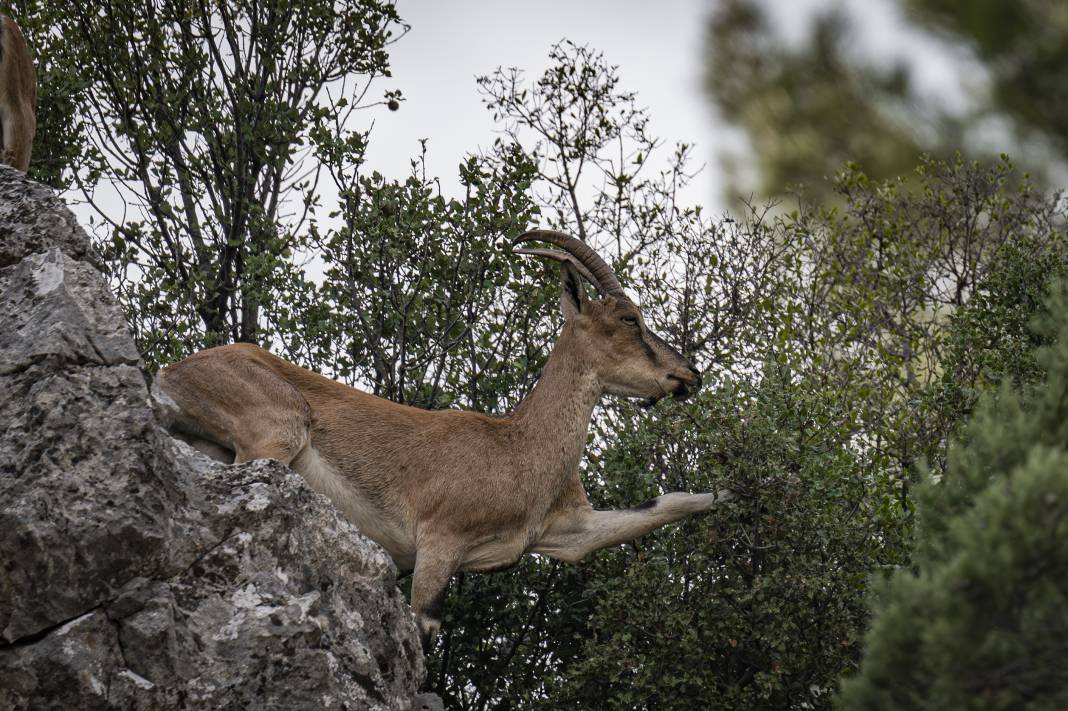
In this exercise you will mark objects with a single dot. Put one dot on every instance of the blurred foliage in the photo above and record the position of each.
(809, 107)
(840, 345)
(1023, 44)
(980, 619)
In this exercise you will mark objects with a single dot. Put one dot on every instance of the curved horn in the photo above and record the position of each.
(603, 278)
(561, 257)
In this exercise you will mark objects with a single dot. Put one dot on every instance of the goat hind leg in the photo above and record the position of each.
(238, 406)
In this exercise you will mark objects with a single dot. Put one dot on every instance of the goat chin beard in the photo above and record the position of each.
(648, 402)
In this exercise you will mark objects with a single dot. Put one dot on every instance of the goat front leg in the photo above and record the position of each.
(435, 562)
(578, 533)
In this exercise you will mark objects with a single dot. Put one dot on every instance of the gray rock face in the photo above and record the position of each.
(136, 573)
(33, 219)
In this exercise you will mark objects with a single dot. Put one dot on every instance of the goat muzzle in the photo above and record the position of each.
(685, 386)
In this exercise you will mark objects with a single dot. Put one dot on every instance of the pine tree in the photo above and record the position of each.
(981, 620)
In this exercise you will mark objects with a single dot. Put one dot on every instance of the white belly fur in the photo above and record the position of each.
(323, 478)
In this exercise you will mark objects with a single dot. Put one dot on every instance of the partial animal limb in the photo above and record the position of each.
(577, 534)
(435, 562)
(18, 97)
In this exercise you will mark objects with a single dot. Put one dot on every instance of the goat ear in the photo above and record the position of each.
(572, 291)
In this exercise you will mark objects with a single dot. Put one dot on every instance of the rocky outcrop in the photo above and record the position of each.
(134, 572)
(33, 219)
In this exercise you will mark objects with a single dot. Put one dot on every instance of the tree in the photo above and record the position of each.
(199, 116)
(809, 108)
(980, 620)
(416, 302)
(1024, 47)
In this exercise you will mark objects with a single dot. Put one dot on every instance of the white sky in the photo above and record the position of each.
(657, 46)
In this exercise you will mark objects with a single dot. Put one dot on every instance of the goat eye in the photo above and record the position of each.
(630, 320)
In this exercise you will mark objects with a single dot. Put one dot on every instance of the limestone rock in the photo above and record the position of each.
(33, 219)
(134, 572)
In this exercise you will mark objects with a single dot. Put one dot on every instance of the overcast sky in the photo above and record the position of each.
(657, 45)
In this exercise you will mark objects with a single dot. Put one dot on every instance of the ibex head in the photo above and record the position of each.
(610, 333)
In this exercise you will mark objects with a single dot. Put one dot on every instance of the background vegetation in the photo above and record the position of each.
(811, 105)
(845, 340)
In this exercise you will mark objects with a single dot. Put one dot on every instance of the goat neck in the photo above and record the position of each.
(555, 416)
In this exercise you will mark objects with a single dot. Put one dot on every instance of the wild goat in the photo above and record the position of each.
(445, 491)
(18, 97)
